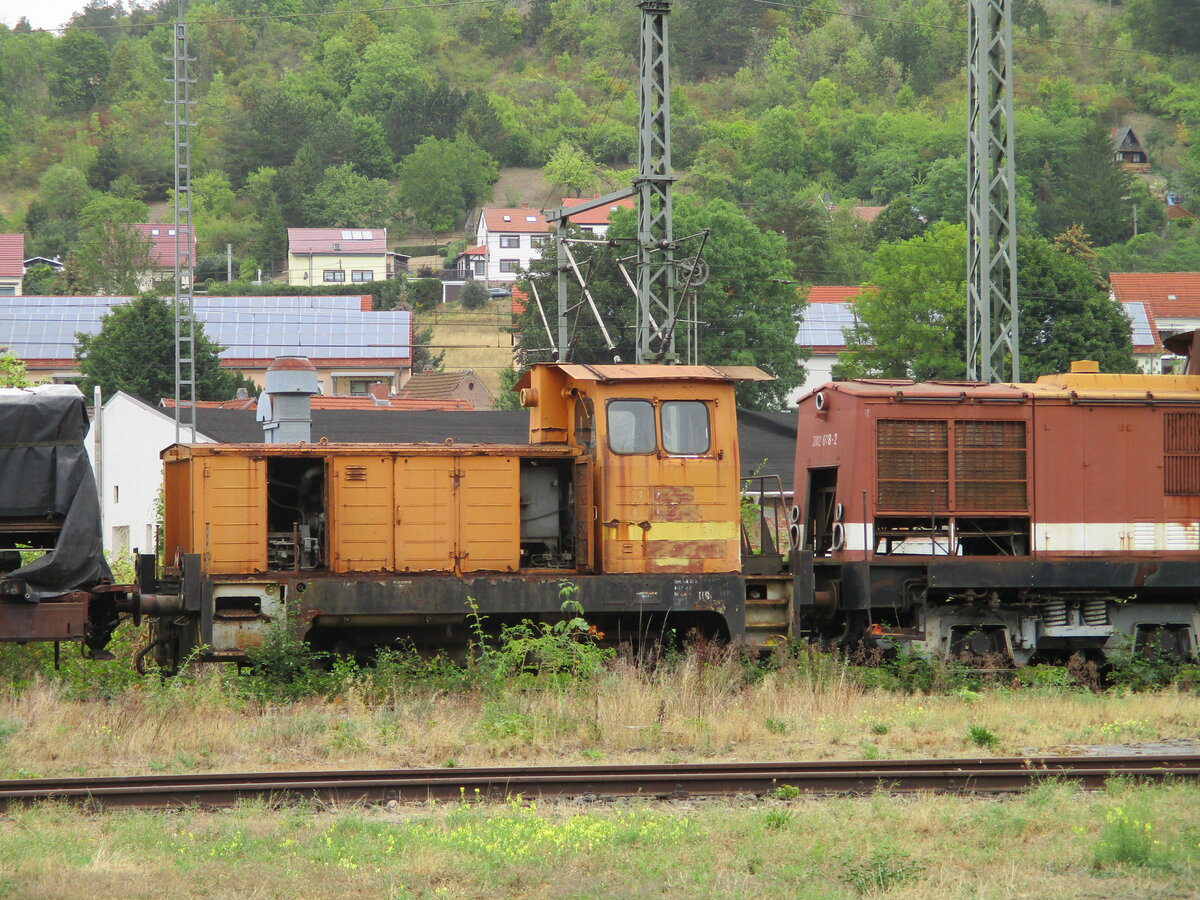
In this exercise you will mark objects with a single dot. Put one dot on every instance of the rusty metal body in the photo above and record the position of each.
(628, 488)
(1029, 520)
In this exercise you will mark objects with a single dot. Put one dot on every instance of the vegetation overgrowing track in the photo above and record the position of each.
(782, 779)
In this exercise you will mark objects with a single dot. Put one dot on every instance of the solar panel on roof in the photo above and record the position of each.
(248, 327)
(1141, 333)
(825, 324)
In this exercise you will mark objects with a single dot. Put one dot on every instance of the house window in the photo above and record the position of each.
(510, 241)
(335, 275)
(509, 265)
(480, 267)
(360, 387)
(538, 241)
(361, 275)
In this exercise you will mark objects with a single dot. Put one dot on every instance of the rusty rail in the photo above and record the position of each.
(596, 782)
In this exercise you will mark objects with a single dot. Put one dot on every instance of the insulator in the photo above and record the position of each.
(1094, 611)
(1055, 612)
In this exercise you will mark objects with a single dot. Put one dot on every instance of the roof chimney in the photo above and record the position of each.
(285, 408)
(379, 393)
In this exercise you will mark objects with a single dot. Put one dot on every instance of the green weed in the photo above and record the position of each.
(778, 819)
(982, 736)
(882, 870)
(1125, 840)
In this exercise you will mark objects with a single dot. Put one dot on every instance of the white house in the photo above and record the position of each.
(828, 314)
(129, 471)
(510, 239)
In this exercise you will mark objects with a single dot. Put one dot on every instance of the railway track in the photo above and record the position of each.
(595, 782)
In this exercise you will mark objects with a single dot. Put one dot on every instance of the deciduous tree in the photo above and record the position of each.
(749, 307)
(134, 351)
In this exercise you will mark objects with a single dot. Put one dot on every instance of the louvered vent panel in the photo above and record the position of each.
(912, 465)
(990, 466)
(1181, 457)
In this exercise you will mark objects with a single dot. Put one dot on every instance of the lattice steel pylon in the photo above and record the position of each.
(185, 321)
(992, 332)
(656, 274)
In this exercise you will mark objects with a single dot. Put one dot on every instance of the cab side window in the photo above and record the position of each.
(685, 427)
(585, 433)
(631, 426)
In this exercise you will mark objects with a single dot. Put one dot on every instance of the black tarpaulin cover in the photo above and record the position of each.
(44, 473)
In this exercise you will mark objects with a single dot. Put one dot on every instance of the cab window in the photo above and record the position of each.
(685, 427)
(631, 426)
(585, 434)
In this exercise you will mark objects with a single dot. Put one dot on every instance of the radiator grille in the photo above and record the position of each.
(989, 466)
(914, 459)
(913, 465)
(1181, 454)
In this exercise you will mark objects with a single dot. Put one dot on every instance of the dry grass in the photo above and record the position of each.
(699, 709)
(1051, 842)
(474, 339)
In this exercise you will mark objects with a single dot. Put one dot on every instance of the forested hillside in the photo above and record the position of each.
(363, 113)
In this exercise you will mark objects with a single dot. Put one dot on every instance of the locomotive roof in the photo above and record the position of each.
(1074, 386)
(622, 372)
(899, 388)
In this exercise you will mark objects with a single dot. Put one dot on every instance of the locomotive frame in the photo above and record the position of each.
(629, 488)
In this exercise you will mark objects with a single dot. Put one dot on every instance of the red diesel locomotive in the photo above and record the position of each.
(1031, 521)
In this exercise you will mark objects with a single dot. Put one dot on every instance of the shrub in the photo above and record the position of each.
(473, 295)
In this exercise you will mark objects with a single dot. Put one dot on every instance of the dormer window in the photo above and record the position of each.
(1170, 296)
(531, 218)
(154, 232)
(507, 218)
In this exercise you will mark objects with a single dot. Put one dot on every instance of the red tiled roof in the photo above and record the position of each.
(323, 362)
(321, 402)
(597, 216)
(162, 243)
(867, 213)
(833, 293)
(1165, 294)
(517, 220)
(351, 241)
(12, 255)
(519, 301)
(430, 385)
